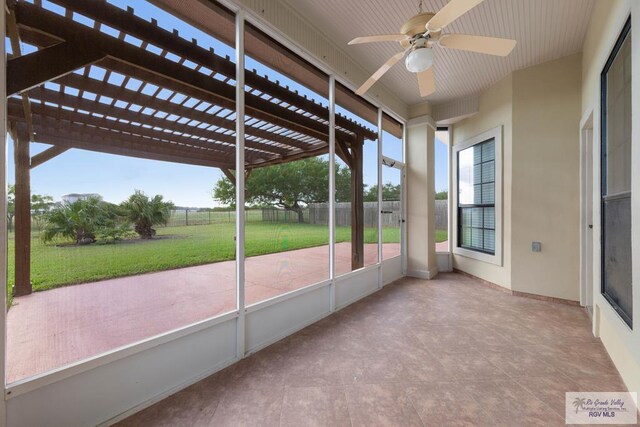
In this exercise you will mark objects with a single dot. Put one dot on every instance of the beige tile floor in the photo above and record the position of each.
(445, 352)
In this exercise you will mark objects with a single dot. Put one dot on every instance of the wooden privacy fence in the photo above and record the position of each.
(391, 217)
(442, 210)
(315, 213)
(184, 217)
(319, 214)
(283, 215)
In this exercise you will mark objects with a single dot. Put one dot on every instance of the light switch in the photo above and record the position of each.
(536, 246)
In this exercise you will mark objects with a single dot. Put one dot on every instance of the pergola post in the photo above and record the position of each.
(22, 213)
(357, 205)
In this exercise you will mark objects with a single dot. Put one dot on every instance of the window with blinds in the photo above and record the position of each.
(476, 197)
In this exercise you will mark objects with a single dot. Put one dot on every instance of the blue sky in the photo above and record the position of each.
(116, 177)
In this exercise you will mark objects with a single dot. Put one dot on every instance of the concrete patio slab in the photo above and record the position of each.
(50, 329)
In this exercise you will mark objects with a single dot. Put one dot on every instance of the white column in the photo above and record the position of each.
(379, 197)
(421, 224)
(332, 191)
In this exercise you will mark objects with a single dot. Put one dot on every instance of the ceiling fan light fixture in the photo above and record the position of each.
(419, 60)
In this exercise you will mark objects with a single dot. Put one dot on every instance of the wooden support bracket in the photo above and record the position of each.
(230, 175)
(47, 155)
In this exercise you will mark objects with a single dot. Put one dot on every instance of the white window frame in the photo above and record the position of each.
(496, 258)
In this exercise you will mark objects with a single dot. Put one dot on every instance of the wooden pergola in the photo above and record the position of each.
(143, 91)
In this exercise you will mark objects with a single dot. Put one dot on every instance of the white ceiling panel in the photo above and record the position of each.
(545, 30)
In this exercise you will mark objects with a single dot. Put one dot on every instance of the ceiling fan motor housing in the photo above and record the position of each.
(416, 24)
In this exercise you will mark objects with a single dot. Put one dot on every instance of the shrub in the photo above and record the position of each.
(80, 221)
(145, 213)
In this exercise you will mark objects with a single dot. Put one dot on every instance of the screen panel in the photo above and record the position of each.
(616, 81)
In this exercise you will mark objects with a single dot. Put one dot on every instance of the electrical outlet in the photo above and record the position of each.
(536, 246)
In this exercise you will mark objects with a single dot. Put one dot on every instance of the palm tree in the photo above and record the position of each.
(79, 220)
(144, 213)
(578, 402)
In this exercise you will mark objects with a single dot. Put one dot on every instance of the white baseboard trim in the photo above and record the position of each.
(422, 274)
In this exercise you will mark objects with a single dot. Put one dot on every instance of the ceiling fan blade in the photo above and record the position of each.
(452, 11)
(385, 67)
(426, 82)
(379, 38)
(481, 44)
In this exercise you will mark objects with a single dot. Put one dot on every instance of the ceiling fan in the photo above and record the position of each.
(423, 31)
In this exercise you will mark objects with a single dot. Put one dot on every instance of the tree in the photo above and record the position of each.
(343, 184)
(11, 205)
(145, 213)
(81, 220)
(40, 204)
(442, 195)
(389, 192)
(290, 185)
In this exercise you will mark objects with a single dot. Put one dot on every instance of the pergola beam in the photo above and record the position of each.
(121, 146)
(117, 140)
(27, 71)
(63, 114)
(42, 112)
(75, 81)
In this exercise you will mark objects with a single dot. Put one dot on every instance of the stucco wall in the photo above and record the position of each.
(495, 109)
(539, 110)
(546, 178)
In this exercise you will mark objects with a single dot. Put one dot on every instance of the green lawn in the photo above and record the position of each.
(53, 266)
